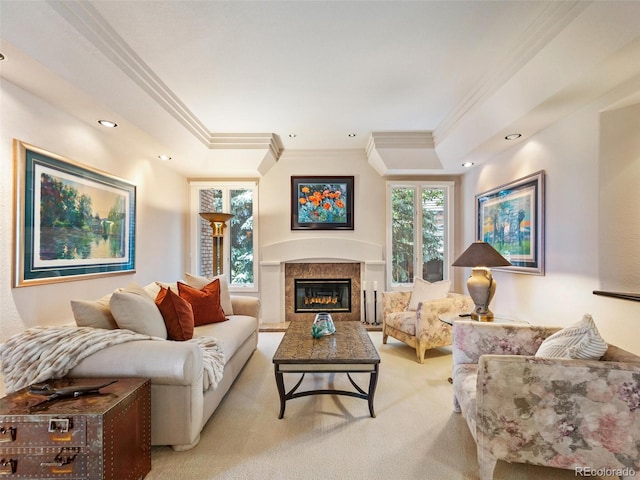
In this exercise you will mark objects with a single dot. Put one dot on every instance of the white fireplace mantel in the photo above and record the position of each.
(318, 250)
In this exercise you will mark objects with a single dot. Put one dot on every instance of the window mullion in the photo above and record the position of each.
(418, 232)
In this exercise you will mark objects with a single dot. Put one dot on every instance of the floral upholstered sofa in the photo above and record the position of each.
(574, 414)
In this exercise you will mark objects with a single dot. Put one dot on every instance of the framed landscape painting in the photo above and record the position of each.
(511, 219)
(321, 203)
(71, 221)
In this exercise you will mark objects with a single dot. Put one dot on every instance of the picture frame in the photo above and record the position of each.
(322, 203)
(71, 221)
(511, 219)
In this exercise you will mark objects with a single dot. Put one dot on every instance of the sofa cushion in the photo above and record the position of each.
(94, 313)
(177, 314)
(581, 340)
(153, 289)
(232, 334)
(205, 302)
(404, 321)
(424, 291)
(133, 309)
(225, 296)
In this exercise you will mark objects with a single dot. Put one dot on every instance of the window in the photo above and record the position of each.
(239, 199)
(420, 231)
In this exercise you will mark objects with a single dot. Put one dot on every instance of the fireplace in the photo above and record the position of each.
(334, 287)
(322, 295)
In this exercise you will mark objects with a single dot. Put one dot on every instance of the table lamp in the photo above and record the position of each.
(481, 256)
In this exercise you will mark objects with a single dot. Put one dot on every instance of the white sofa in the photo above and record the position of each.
(179, 407)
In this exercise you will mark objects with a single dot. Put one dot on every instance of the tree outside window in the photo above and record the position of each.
(419, 232)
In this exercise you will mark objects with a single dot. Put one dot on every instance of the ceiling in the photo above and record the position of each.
(227, 88)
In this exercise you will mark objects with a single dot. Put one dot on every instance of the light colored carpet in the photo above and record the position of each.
(416, 435)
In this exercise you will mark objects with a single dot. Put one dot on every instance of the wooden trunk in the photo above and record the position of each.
(96, 436)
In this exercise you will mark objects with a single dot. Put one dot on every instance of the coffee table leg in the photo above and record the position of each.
(373, 382)
(280, 384)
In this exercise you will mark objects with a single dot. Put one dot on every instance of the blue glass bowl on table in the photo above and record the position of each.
(322, 325)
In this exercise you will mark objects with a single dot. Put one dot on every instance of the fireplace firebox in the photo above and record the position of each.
(322, 295)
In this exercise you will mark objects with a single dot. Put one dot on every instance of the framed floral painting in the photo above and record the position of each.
(321, 203)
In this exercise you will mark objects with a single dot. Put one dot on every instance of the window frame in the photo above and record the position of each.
(448, 215)
(194, 228)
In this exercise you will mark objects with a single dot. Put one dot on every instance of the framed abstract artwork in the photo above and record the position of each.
(511, 219)
(71, 221)
(322, 203)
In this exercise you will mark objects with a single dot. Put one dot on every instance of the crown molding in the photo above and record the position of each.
(89, 23)
(555, 17)
(398, 153)
(408, 139)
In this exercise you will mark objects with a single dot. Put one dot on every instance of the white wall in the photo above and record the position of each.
(275, 194)
(569, 152)
(275, 221)
(161, 208)
(619, 200)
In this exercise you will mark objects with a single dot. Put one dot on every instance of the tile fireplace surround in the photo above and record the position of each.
(294, 271)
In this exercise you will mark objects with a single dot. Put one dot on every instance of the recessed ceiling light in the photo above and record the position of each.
(467, 164)
(292, 135)
(352, 134)
(164, 157)
(513, 136)
(108, 123)
(1, 57)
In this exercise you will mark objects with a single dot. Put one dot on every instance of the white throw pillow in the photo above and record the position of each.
(581, 340)
(199, 282)
(133, 309)
(424, 291)
(153, 289)
(94, 313)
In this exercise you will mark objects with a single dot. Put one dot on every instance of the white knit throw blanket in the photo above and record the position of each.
(43, 353)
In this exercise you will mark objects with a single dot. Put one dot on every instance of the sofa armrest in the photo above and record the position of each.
(559, 412)
(249, 306)
(394, 301)
(429, 313)
(471, 339)
(164, 362)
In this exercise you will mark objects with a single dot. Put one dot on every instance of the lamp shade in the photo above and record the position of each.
(481, 254)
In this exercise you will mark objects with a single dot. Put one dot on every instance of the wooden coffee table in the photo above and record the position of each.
(349, 350)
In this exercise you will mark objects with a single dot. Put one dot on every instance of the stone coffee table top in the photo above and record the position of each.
(349, 344)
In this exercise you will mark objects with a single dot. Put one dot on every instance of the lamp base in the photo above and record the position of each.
(481, 288)
(482, 317)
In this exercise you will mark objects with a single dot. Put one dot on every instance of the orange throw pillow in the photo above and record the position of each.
(177, 314)
(205, 302)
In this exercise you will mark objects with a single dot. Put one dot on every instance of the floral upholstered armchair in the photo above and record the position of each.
(576, 414)
(421, 328)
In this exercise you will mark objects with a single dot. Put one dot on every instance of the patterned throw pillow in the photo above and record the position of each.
(205, 302)
(177, 314)
(579, 341)
(424, 291)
